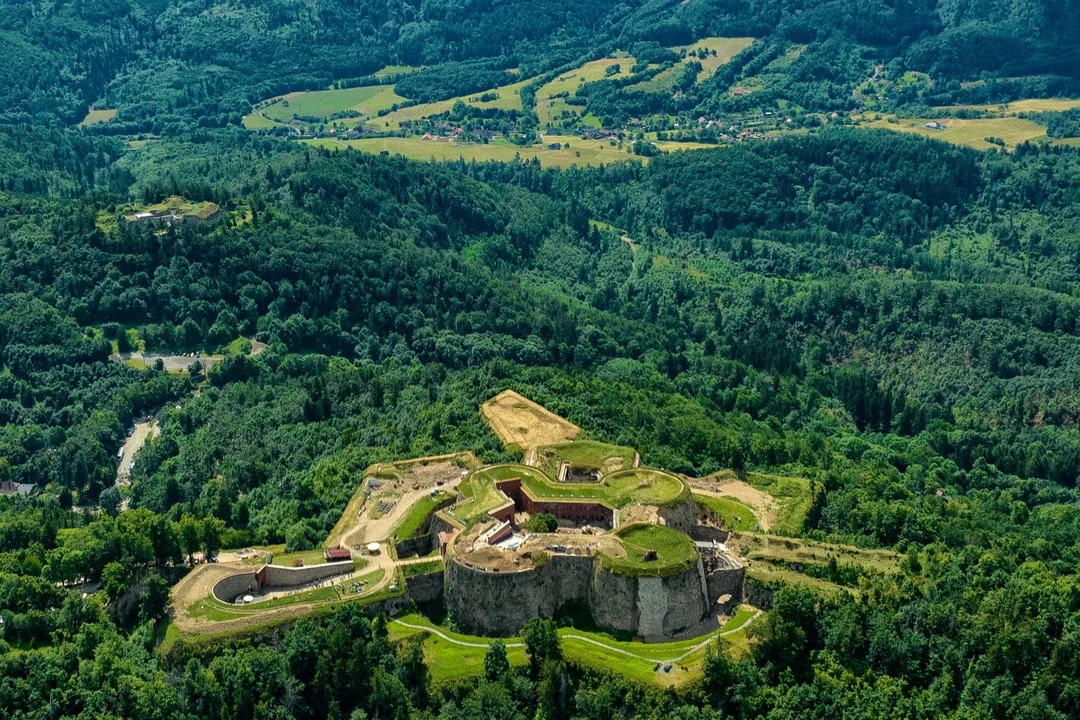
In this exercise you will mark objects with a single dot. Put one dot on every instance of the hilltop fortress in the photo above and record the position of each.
(628, 549)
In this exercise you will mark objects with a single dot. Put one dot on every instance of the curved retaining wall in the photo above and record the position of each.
(228, 588)
(500, 603)
(273, 576)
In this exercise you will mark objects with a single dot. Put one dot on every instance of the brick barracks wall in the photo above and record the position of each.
(576, 512)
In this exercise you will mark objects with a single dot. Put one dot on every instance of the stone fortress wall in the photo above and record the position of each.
(500, 603)
(275, 576)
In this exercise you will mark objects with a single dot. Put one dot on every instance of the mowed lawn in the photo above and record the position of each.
(462, 656)
(674, 552)
(367, 100)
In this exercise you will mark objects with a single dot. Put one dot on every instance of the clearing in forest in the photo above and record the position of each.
(711, 53)
(367, 100)
(93, 117)
(507, 97)
(523, 424)
(551, 97)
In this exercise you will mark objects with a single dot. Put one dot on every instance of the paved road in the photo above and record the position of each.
(591, 641)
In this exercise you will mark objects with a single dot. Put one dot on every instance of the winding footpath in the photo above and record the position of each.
(591, 641)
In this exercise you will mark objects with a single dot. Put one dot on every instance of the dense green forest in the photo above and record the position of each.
(166, 66)
(893, 318)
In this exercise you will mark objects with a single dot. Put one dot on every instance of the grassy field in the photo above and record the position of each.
(793, 496)
(398, 70)
(367, 100)
(97, 116)
(279, 557)
(419, 514)
(255, 121)
(215, 610)
(648, 486)
(967, 132)
(1019, 106)
(675, 552)
(462, 656)
(725, 48)
(608, 458)
(479, 493)
(652, 487)
(809, 552)
(422, 568)
(736, 515)
(549, 107)
(580, 152)
(509, 98)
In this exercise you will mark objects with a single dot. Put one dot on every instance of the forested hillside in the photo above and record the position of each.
(893, 318)
(729, 262)
(169, 65)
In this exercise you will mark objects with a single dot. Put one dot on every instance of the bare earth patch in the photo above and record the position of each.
(522, 422)
(763, 504)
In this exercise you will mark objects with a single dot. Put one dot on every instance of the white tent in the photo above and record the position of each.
(373, 547)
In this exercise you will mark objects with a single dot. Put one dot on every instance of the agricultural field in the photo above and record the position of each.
(965, 131)
(367, 101)
(550, 109)
(509, 98)
(453, 656)
(523, 424)
(609, 458)
(725, 49)
(652, 551)
(574, 150)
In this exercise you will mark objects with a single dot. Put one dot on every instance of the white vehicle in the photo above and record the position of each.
(120, 453)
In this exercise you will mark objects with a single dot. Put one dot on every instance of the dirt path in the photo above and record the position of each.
(172, 363)
(143, 431)
(444, 475)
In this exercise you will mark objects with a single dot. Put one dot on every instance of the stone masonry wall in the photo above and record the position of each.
(279, 576)
(726, 581)
(427, 587)
(227, 589)
(500, 603)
